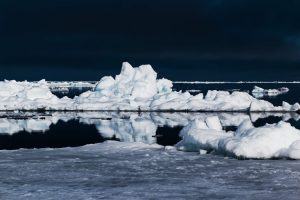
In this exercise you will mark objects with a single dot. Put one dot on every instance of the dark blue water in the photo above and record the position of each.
(73, 134)
(62, 134)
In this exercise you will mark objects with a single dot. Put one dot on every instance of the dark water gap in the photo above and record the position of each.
(16, 131)
(62, 134)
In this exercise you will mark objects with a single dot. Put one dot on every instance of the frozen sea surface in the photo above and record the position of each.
(120, 170)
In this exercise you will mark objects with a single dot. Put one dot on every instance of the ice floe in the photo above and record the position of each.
(259, 92)
(269, 141)
(133, 89)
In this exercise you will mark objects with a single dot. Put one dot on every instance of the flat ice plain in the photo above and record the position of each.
(121, 170)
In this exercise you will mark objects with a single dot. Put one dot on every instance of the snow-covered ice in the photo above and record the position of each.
(121, 170)
(133, 89)
(29, 96)
(269, 141)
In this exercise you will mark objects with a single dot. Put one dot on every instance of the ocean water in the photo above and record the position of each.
(114, 155)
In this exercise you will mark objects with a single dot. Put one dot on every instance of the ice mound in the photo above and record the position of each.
(29, 96)
(269, 141)
(259, 92)
(132, 82)
(139, 89)
(24, 89)
(132, 89)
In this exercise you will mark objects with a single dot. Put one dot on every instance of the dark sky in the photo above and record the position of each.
(85, 39)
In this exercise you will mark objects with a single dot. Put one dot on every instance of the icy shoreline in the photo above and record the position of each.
(134, 89)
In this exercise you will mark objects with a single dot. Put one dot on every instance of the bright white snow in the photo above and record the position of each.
(269, 141)
(29, 96)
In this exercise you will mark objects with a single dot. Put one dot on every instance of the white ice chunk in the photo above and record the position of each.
(269, 141)
(293, 151)
(164, 85)
(213, 123)
(39, 93)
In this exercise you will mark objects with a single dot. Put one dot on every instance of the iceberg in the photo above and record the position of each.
(134, 89)
(279, 140)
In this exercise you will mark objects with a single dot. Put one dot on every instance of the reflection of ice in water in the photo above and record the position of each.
(125, 126)
(142, 127)
(134, 130)
(11, 126)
